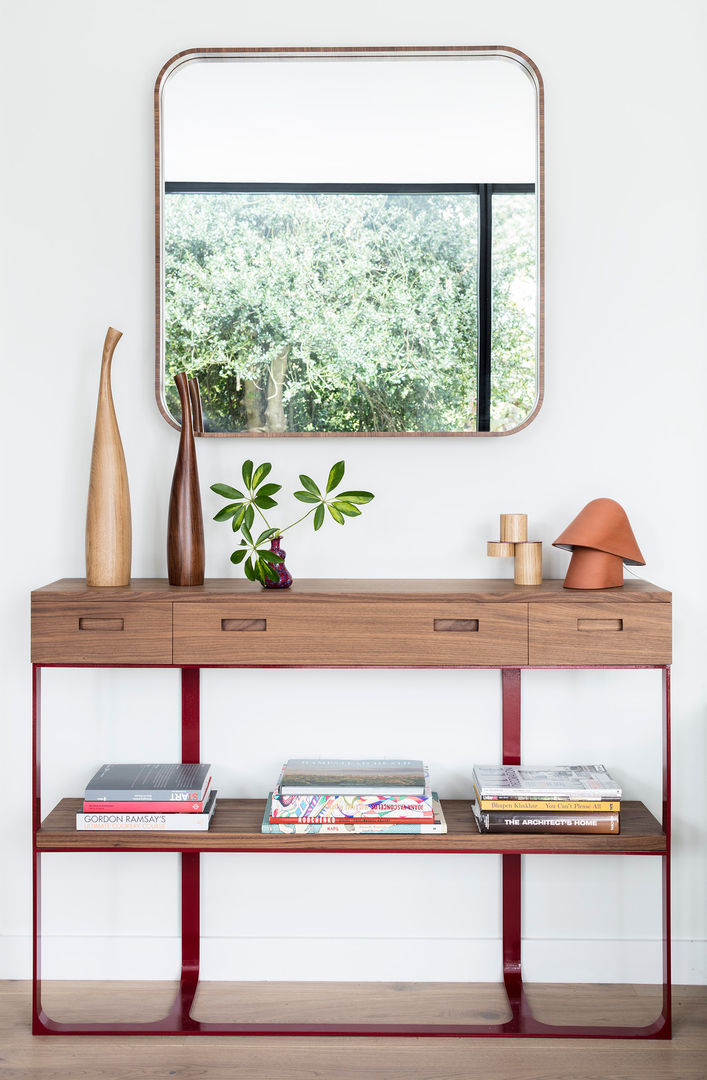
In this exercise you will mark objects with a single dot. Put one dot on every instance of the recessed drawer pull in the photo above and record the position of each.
(600, 624)
(96, 623)
(244, 624)
(458, 625)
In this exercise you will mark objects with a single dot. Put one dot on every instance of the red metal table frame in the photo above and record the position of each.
(179, 1021)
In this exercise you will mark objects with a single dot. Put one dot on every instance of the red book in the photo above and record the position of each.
(176, 807)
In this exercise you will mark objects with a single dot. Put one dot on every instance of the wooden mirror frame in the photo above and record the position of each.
(363, 53)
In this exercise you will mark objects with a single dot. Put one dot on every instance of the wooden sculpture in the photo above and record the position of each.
(196, 409)
(601, 541)
(527, 554)
(108, 523)
(185, 526)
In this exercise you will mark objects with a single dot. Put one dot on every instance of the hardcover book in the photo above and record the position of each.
(148, 783)
(439, 825)
(569, 782)
(508, 822)
(148, 822)
(584, 806)
(147, 806)
(341, 776)
(343, 807)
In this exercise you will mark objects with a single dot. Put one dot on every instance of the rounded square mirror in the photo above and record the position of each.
(349, 241)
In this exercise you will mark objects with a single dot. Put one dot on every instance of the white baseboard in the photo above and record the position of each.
(332, 959)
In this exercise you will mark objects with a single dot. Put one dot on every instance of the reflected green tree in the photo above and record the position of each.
(312, 312)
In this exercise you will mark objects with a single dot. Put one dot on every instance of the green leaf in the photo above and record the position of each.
(356, 496)
(258, 571)
(264, 502)
(265, 536)
(227, 512)
(308, 483)
(347, 508)
(238, 519)
(319, 517)
(336, 514)
(307, 497)
(239, 555)
(249, 572)
(270, 556)
(227, 492)
(246, 533)
(335, 476)
(267, 572)
(269, 489)
(247, 473)
(249, 516)
(260, 473)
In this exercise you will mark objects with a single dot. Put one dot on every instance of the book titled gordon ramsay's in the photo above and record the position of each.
(344, 776)
(148, 783)
(115, 822)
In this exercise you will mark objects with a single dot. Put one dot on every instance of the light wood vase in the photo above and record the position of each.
(108, 523)
(185, 525)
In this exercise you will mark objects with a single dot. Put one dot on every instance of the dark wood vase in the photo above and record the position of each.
(185, 524)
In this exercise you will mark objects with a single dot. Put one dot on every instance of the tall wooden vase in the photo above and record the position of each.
(185, 526)
(108, 524)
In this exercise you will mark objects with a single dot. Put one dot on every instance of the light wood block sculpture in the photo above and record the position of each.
(528, 554)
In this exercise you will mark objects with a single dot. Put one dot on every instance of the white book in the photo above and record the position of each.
(129, 822)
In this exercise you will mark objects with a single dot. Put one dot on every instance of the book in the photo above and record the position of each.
(509, 822)
(584, 806)
(569, 782)
(350, 828)
(338, 807)
(144, 822)
(147, 806)
(341, 776)
(149, 783)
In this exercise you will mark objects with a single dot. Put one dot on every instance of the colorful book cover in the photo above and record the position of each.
(344, 807)
(439, 825)
(547, 782)
(147, 822)
(343, 776)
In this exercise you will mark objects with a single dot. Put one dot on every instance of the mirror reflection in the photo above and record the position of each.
(348, 245)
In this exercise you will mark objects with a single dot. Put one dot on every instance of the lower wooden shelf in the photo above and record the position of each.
(236, 827)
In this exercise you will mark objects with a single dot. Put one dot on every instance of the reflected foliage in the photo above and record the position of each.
(332, 312)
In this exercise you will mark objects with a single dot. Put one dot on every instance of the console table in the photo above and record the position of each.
(351, 624)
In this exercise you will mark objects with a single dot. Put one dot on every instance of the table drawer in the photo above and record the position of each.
(101, 632)
(284, 630)
(601, 633)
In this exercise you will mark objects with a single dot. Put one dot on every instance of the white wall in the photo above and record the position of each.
(626, 334)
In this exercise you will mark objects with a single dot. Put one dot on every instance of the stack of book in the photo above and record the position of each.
(163, 798)
(558, 799)
(344, 796)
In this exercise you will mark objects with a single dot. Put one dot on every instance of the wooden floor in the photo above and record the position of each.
(267, 1058)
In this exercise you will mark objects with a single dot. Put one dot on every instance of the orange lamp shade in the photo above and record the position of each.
(601, 541)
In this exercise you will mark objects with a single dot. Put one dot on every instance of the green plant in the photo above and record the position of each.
(243, 506)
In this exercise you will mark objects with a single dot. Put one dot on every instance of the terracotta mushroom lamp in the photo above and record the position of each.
(601, 540)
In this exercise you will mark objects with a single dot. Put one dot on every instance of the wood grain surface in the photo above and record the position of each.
(236, 827)
(599, 633)
(389, 631)
(157, 1058)
(108, 522)
(344, 590)
(103, 631)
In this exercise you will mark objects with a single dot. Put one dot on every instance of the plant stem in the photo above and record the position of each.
(281, 531)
